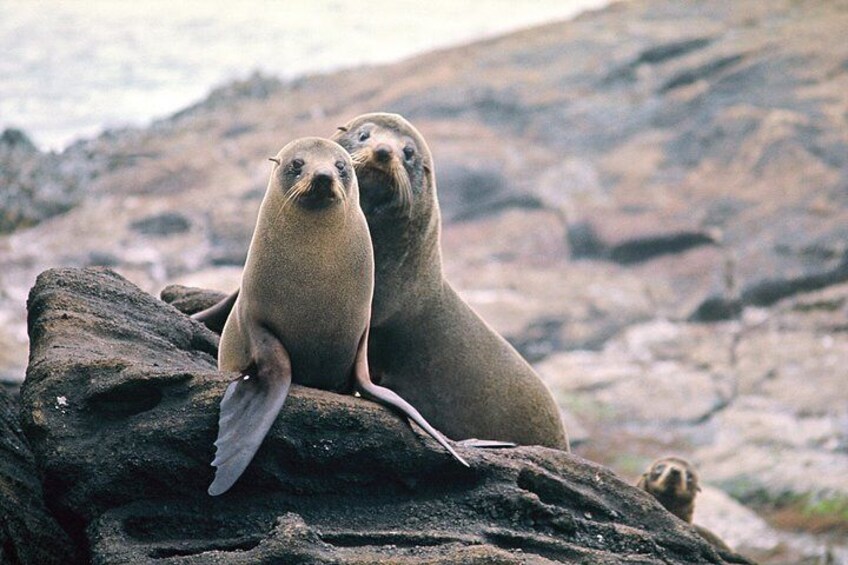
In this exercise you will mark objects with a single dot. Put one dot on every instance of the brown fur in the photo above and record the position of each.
(426, 343)
(297, 256)
(674, 483)
(304, 305)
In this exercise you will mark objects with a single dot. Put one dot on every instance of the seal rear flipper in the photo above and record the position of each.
(248, 410)
(388, 397)
(486, 443)
(216, 315)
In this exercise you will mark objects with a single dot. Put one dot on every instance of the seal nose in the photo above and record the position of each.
(322, 180)
(322, 185)
(383, 153)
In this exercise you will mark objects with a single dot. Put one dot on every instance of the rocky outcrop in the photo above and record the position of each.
(28, 533)
(189, 300)
(120, 405)
(648, 201)
(36, 185)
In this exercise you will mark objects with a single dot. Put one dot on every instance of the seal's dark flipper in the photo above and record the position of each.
(486, 443)
(248, 411)
(388, 397)
(216, 316)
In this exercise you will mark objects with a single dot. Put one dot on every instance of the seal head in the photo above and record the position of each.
(302, 312)
(426, 343)
(397, 185)
(674, 483)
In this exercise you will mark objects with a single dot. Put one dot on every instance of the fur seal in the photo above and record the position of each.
(674, 482)
(302, 313)
(426, 343)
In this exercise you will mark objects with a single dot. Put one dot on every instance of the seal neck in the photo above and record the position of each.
(408, 264)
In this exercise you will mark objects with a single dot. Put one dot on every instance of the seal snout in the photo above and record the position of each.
(383, 153)
(322, 182)
(323, 190)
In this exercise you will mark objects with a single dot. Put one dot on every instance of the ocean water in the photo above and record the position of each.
(71, 68)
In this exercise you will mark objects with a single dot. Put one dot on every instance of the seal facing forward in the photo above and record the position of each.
(675, 483)
(426, 343)
(303, 309)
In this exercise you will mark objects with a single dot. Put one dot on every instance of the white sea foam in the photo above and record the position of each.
(70, 69)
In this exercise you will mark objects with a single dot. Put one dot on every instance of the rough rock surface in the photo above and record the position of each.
(648, 201)
(120, 405)
(28, 533)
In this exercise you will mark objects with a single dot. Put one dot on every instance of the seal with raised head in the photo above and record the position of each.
(675, 483)
(302, 313)
(426, 343)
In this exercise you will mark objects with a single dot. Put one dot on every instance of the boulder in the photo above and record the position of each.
(120, 407)
(28, 533)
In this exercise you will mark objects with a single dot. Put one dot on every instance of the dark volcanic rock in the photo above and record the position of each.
(28, 533)
(126, 458)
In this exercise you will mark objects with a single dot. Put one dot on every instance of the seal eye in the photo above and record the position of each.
(363, 135)
(408, 152)
(340, 166)
(297, 165)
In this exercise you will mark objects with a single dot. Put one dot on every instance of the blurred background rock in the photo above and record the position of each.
(649, 201)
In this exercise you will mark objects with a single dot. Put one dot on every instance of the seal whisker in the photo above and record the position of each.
(338, 269)
(338, 188)
(297, 190)
(360, 157)
(414, 302)
(403, 185)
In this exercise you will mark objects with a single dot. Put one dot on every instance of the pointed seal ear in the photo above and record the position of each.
(341, 128)
(274, 159)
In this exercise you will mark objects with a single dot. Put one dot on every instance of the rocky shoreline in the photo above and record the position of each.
(648, 201)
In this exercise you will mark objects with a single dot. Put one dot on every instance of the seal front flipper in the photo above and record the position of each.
(388, 397)
(248, 410)
(216, 315)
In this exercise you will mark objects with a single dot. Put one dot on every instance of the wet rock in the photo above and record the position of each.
(125, 457)
(28, 533)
